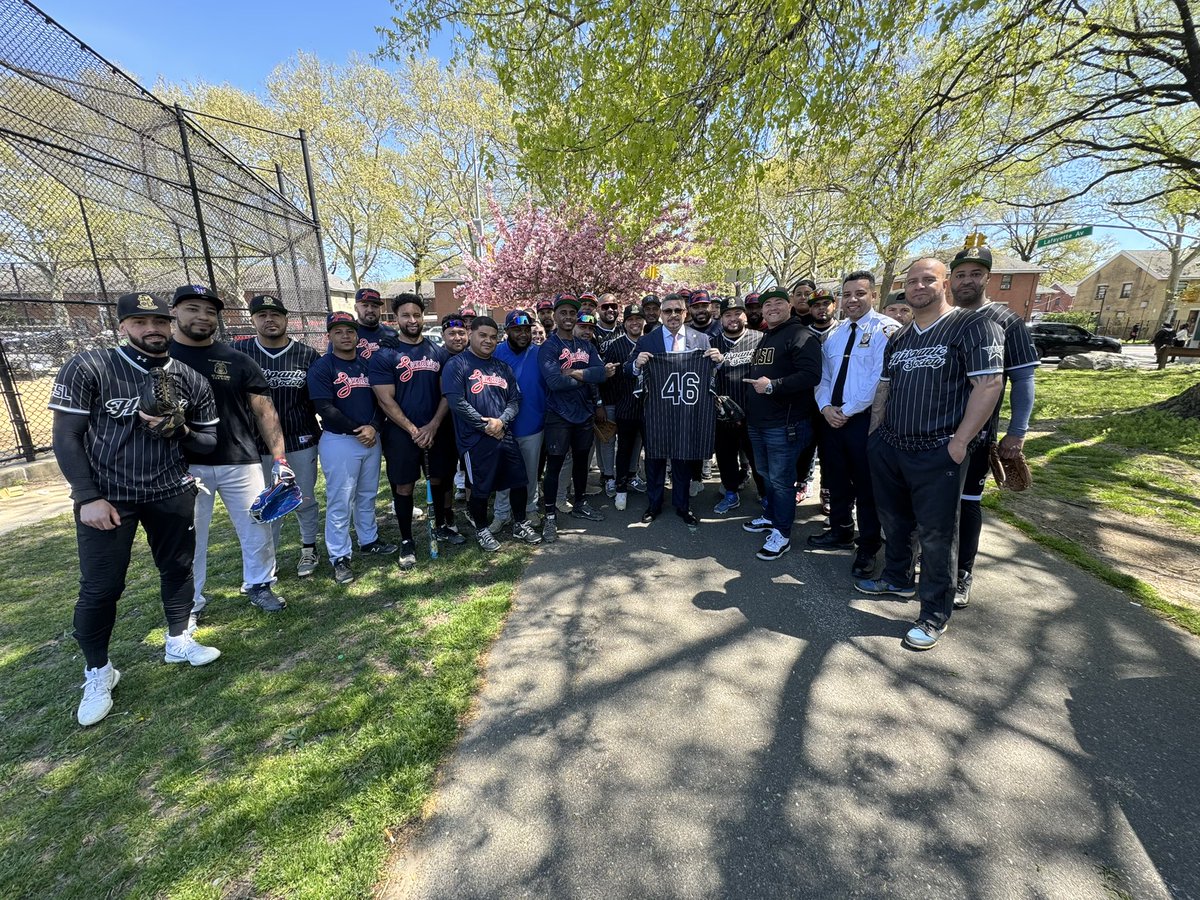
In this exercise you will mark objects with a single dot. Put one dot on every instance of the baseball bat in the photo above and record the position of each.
(430, 517)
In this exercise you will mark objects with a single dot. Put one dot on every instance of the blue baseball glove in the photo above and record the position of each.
(276, 502)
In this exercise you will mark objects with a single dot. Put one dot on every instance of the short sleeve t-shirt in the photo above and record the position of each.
(415, 371)
(233, 377)
(345, 383)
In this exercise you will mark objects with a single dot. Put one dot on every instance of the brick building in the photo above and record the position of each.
(1132, 288)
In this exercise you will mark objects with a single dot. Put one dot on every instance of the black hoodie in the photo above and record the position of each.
(790, 355)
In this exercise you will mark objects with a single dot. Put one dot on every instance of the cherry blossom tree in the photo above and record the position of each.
(537, 252)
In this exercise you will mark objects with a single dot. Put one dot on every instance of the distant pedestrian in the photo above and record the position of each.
(1135, 331)
(1163, 337)
(1181, 336)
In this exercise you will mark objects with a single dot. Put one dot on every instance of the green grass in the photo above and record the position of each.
(1093, 443)
(285, 768)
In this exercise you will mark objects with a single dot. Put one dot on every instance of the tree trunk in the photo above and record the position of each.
(1185, 405)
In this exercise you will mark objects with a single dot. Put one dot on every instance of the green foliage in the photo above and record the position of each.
(1082, 319)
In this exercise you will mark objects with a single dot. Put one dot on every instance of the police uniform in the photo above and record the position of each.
(107, 454)
(286, 371)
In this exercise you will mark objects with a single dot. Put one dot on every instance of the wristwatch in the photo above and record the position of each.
(770, 389)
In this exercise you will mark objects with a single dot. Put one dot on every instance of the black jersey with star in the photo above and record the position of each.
(286, 371)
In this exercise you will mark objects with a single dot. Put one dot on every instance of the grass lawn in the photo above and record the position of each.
(1092, 445)
(284, 769)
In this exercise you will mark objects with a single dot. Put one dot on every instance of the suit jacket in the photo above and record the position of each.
(655, 342)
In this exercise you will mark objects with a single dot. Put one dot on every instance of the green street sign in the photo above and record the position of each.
(1065, 236)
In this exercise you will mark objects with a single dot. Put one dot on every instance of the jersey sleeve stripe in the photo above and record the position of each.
(1023, 366)
(67, 409)
(995, 371)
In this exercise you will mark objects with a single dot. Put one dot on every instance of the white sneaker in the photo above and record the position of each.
(622, 500)
(308, 562)
(610, 487)
(776, 545)
(97, 693)
(706, 469)
(185, 649)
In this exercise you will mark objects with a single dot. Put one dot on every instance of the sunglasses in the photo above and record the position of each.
(454, 323)
(672, 311)
(609, 306)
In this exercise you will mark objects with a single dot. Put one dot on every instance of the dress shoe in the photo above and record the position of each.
(832, 540)
(689, 518)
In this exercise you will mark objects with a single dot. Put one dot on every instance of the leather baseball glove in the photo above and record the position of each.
(728, 411)
(162, 397)
(1010, 474)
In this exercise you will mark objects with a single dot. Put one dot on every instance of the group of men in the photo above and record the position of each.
(900, 414)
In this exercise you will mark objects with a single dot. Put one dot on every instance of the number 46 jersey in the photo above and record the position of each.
(680, 413)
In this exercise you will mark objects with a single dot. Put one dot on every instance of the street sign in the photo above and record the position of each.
(1065, 236)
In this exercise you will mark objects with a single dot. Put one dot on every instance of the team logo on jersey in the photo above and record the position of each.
(346, 383)
(290, 378)
(480, 380)
(407, 367)
(145, 301)
(366, 348)
(739, 358)
(920, 358)
(121, 407)
(889, 330)
(220, 370)
(569, 357)
(764, 356)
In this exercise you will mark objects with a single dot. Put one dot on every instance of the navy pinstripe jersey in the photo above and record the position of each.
(680, 416)
(1019, 351)
(736, 366)
(286, 370)
(129, 464)
(929, 375)
(619, 390)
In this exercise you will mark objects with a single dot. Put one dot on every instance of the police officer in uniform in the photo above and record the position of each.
(285, 364)
(121, 474)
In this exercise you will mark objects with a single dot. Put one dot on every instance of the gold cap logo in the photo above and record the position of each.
(145, 301)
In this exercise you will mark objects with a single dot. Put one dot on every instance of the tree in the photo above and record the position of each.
(1169, 212)
(540, 252)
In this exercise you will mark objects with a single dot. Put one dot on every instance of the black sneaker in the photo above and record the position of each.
(832, 540)
(342, 573)
(689, 518)
(408, 555)
(864, 564)
(550, 529)
(584, 510)
(266, 599)
(962, 590)
(378, 548)
(448, 534)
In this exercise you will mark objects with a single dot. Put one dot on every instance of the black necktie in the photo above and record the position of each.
(839, 384)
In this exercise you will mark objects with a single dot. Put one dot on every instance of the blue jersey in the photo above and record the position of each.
(415, 371)
(575, 401)
(372, 340)
(345, 383)
(478, 389)
(532, 417)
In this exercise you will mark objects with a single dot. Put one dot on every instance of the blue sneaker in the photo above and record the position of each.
(731, 501)
(879, 586)
(923, 635)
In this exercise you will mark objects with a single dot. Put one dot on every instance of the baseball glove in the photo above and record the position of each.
(162, 397)
(276, 502)
(1010, 474)
(605, 431)
(728, 411)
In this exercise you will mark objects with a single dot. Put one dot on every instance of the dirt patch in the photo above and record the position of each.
(1164, 559)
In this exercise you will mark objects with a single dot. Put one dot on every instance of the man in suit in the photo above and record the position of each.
(672, 337)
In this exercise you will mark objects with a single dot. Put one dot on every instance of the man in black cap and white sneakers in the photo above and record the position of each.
(285, 363)
(234, 469)
(122, 472)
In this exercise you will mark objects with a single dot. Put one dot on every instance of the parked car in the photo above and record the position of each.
(1062, 339)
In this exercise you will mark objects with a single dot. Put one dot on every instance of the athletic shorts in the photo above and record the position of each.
(405, 460)
(977, 472)
(495, 467)
(561, 435)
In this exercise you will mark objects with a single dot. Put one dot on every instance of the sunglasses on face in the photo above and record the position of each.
(608, 306)
(672, 312)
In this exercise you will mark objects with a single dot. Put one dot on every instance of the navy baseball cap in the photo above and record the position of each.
(516, 318)
(752, 297)
(545, 304)
(699, 297)
(266, 301)
(566, 300)
(197, 292)
(142, 305)
(368, 295)
(339, 318)
(587, 297)
(650, 299)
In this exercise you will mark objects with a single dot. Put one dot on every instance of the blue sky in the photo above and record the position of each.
(221, 40)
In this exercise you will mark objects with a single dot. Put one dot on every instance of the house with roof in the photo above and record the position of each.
(1014, 282)
(1132, 288)
(1056, 298)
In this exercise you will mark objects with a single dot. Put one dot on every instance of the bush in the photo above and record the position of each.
(1082, 319)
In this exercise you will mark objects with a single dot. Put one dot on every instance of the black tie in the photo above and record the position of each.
(839, 384)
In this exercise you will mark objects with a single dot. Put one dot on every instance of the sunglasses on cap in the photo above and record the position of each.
(454, 323)
(517, 319)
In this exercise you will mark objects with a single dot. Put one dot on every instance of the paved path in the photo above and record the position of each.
(666, 716)
(23, 506)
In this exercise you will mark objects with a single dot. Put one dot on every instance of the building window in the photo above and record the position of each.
(1126, 289)
(1101, 291)
(1006, 282)
(1144, 304)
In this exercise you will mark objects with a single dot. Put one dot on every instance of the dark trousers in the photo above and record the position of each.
(917, 494)
(846, 471)
(733, 441)
(628, 432)
(104, 561)
(656, 482)
(806, 463)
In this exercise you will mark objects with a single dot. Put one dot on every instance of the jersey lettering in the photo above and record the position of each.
(406, 367)
(366, 348)
(120, 407)
(568, 358)
(346, 383)
(764, 356)
(682, 388)
(479, 380)
(292, 378)
(920, 358)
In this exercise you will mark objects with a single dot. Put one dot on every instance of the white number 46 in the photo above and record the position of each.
(682, 388)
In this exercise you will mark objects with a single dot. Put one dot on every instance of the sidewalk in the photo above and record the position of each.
(666, 716)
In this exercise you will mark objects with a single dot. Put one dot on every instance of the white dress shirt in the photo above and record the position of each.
(866, 361)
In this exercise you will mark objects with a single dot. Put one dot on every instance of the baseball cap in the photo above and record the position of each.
(773, 294)
(650, 298)
(587, 297)
(898, 297)
(753, 298)
(699, 297)
(545, 304)
(142, 304)
(266, 301)
(634, 309)
(516, 318)
(685, 293)
(367, 295)
(338, 318)
(566, 300)
(733, 303)
(585, 318)
(197, 292)
(979, 255)
(820, 296)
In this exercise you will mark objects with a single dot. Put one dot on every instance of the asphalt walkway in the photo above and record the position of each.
(666, 716)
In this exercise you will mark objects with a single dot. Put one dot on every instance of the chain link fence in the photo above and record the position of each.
(105, 190)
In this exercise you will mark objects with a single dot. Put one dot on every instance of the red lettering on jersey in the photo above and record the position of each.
(479, 381)
(407, 367)
(366, 348)
(568, 358)
(348, 383)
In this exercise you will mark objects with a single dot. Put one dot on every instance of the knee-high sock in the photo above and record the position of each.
(518, 499)
(579, 475)
(404, 514)
(441, 493)
(478, 509)
(970, 523)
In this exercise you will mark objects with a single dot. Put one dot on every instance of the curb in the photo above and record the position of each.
(36, 472)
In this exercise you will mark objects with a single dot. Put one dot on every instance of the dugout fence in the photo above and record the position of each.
(106, 189)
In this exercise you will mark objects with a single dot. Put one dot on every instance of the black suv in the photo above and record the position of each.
(1060, 339)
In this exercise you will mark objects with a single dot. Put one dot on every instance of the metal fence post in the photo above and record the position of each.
(16, 410)
(312, 201)
(87, 227)
(287, 227)
(191, 170)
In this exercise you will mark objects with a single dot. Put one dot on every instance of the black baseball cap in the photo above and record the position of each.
(649, 299)
(733, 303)
(266, 301)
(774, 294)
(517, 318)
(197, 292)
(142, 304)
(368, 295)
(633, 310)
(700, 296)
(981, 256)
(898, 297)
(339, 318)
